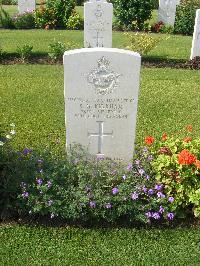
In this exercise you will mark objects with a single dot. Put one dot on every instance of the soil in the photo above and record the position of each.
(150, 63)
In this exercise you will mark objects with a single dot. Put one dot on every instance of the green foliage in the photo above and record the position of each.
(24, 21)
(5, 19)
(25, 52)
(8, 2)
(62, 10)
(45, 17)
(142, 43)
(75, 22)
(185, 16)
(133, 13)
(176, 165)
(57, 49)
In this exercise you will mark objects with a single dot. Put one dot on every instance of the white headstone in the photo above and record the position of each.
(98, 24)
(196, 37)
(26, 6)
(101, 95)
(167, 11)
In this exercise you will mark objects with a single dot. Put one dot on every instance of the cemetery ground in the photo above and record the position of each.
(31, 97)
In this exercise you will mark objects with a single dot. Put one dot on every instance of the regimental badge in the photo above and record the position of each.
(103, 79)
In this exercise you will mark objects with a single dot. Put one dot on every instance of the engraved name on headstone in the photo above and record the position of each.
(98, 24)
(167, 11)
(195, 51)
(101, 98)
(26, 6)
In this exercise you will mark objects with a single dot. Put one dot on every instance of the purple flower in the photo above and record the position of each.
(144, 189)
(124, 177)
(147, 177)
(158, 186)
(134, 195)
(49, 184)
(137, 162)
(26, 151)
(170, 216)
(171, 199)
(148, 214)
(150, 158)
(49, 202)
(108, 206)
(25, 194)
(52, 215)
(150, 192)
(161, 210)
(40, 161)
(160, 195)
(40, 171)
(145, 150)
(92, 204)
(39, 181)
(115, 190)
(87, 188)
(156, 215)
(141, 171)
(129, 167)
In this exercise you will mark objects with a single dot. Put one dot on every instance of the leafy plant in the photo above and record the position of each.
(25, 52)
(45, 17)
(5, 19)
(75, 22)
(141, 42)
(176, 165)
(57, 49)
(185, 16)
(24, 21)
(133, 13)
(62, 10)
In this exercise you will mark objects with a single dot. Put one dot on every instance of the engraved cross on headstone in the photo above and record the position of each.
(101, 134)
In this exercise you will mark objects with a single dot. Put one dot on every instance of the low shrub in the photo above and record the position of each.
(57, 49)
(160, 27)
(75, 22)
(5, 19)
(24, 52)
(142, 43)
(176, 164)
(161, 184)
(185, 16)
(45, 17)
(8, 2)
(132, 14)
(24, 21)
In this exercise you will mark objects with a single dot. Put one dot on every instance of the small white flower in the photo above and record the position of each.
(8, 136)
(12, 125)
(1, 143)
(12, 132)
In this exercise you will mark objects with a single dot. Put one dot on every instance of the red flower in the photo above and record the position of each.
(149, 140)
(197, 163)
(187, 139)
(185, 157)
(189, 128)
(164, 137)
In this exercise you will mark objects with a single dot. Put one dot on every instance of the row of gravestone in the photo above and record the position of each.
(98, 21)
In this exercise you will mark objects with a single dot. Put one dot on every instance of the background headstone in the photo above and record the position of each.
(26, 6)
(101, 95)
(196, 37)
(167, 11)
(98, 24)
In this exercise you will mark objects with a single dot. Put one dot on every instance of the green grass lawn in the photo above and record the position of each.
(174, 47)
(32, 97)
(22, 245)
